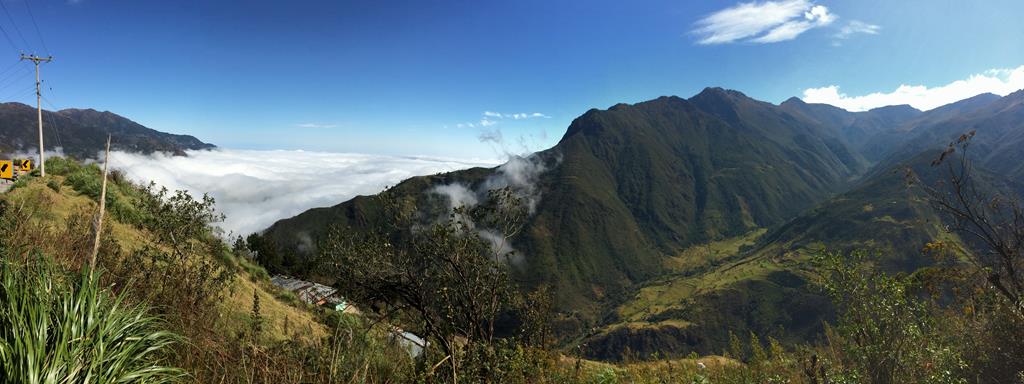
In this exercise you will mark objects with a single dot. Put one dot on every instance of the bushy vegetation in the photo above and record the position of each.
(162, 260)
(166, 273)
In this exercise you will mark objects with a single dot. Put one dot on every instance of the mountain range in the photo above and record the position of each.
(667, 224)
(82, 133)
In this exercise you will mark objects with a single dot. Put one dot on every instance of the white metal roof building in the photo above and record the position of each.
(309, 292)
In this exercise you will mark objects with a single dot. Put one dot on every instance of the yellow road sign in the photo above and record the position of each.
(6, 169)
(26, 165)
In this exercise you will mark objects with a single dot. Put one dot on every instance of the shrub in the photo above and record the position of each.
(61, 166)
(54, 185)
(884, 334)
(85, 181)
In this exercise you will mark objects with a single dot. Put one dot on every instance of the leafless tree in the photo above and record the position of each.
(997, 221)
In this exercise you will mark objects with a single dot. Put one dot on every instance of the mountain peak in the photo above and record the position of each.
(794, 101)
(895, 108)
(718, 93)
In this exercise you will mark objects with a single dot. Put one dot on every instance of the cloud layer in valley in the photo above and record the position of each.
(998, 81)
(256, 188)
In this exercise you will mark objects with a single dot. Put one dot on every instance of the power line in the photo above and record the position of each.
(33, 17)
(15, 25)
(14, 78)
(13, 74)
(19, 94)
(9, 68)
(9, 40)
(53, 122)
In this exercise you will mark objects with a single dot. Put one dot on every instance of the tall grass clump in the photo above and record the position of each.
(57, 328)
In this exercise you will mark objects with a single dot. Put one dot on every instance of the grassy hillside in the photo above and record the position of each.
(196, 284)
(53, 212)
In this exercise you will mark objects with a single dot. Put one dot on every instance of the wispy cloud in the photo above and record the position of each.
(492, 136)
(998, 81)
(856, 27)
(491, 118)
(316, 125)
(256, 188)
(515, 116)
(762, 22)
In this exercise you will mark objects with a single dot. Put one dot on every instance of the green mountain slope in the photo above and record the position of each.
(629, 185)
(765, 284)
(669, 223)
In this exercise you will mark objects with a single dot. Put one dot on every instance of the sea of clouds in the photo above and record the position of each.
(255, 188)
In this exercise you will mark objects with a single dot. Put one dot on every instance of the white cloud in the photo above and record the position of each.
(256, 188)
(762, 22)
(514, 116)
(998, 81)
(520, 174)
(856, 26)
(315, 125)
(491, 118)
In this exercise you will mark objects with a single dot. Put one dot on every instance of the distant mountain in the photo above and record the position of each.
(627, 185)
(666, 224)
(768, 288)
(857, 129)
(999, 124)
(882, 132)
(82, 133)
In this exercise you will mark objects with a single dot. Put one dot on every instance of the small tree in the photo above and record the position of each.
(991, 285)
(996, 221)
(445, 278)
(884, 334)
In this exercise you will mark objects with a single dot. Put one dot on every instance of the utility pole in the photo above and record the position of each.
(39, 107)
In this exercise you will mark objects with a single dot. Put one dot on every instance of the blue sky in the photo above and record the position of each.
(408, 77)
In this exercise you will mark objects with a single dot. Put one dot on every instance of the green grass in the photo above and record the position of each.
(697, 269)
(703, 255)
(55, 329)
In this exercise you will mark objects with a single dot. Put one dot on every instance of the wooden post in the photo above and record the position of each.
(103, 204)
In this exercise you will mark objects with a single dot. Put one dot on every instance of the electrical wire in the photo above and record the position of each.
(15, 25)
(39, 34)
(9, 40)
(14, 79)
(10, 67)
(19, 94)
(53, 121)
